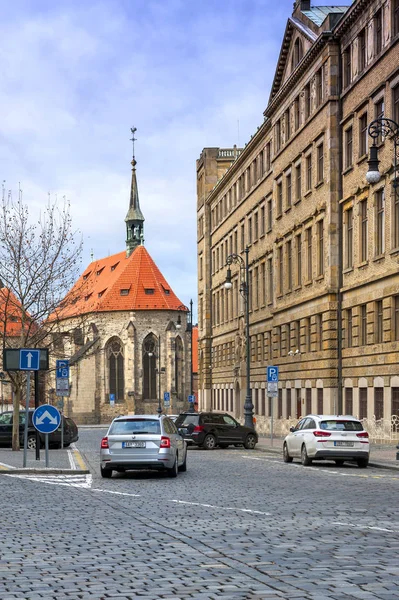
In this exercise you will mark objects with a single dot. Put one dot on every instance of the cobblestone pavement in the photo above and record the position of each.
(237, 525)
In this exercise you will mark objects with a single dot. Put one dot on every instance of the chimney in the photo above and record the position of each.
(302, 5)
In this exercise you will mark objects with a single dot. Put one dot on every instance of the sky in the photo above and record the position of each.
(76, 76)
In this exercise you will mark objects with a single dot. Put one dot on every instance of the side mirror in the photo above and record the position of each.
(292, 429)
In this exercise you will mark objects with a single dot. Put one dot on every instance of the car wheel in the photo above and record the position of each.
(183, 467)
(209, 442)
(106, 473)
(223, 445)
(305, 460)
(250, 441)
(174, 470)
(362, 463)
(286, 457)
(339, 462)
(31, 442)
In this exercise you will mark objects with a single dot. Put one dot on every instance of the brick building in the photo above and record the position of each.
(323, 243)
(117, 327)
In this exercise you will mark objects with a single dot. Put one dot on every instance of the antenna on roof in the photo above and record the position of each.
(133, 139)
(92, 255)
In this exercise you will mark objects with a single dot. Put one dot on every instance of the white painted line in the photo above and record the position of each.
(117, 493)
(4, 466)
(71, 460)
(246, 510)
(79, 481)
(355, 526)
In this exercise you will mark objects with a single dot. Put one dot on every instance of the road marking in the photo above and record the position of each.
(79, 481)
(114, 492)
(77, 457)
(6, 467)
(370, 527)
(71, 461)
(246, 510)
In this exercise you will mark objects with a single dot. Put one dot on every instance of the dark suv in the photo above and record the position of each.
(210, 429)
(54, 439)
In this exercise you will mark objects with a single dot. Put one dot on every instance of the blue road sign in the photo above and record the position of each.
(166, 396)
(272, 374)
(191, 398)
(62, 369)
(112, 399)
(46, 418)
(29, 359)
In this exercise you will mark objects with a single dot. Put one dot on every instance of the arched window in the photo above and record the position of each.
(297, 53)
(116, 376)
(179, 366)
(150, 360)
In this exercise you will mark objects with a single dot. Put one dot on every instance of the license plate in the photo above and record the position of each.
(133, 444)
(346, 444)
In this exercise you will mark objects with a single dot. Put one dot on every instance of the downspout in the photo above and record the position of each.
(339, 408)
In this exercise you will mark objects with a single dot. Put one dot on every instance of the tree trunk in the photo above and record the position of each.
(15, 422)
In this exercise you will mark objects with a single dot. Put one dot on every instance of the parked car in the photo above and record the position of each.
(143, 442)
(71, 433)
(327, 437)
(210, 429)
(172, 417)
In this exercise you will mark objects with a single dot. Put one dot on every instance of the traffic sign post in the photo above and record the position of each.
(272, 392)
(29, 360)
(62, 386)
(166, 399)
(112, 399)
(46, 419)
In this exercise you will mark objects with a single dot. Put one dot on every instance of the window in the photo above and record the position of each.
(348, 401)
(289, 264)
(279, 198)
(250, 230)
(363, 325)
(262, 221)
(280, 404)
(396, 317)
(349, 239)
(268, 156)
(320, 163)
(116, 369)
(379, 322)
(263, 282)
(309, 254)
(363, 230)
(242, 237)
(287, 124)
(319, 86)
(288, 338)
(349, 325)
(362, 403)
(380, 225)
(395, 402)
(320, 401)
(256, 226)
(298, 240)
(363, 135)
(270, 279)
(361, 50)
(395, 103)
(277, 138)
(378, 32)
(319, 332)
(280, 270)
(297, 53)
(309, 172)
(395, 17)
(288, 190)
(379, 403)
(297, 114)
(308, 400)
(298, 182)
(347, 66)
(307, 101)
(379, 110)
(348, 147)
(320, 248)
(269, 207)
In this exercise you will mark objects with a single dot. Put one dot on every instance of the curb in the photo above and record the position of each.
(376, 465)
(48, 471)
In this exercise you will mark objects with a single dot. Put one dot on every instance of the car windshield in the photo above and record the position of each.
(138, 426)
(341, 425)
(184, 420)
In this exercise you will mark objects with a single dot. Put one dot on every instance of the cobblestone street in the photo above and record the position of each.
(238, 524)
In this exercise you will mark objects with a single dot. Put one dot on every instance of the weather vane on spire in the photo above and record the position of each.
(133, 139)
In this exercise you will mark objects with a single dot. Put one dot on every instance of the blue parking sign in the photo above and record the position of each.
(272, 374)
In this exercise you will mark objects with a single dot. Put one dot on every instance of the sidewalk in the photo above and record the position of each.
(65, 461)
(381, 456)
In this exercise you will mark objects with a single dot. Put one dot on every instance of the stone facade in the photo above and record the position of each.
(294, 197)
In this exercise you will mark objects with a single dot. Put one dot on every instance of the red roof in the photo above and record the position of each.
(11, 314)
(120, 282)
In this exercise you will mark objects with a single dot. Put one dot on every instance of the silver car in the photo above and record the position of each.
(143, 442)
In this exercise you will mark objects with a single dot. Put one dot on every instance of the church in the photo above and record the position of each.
(126, 334)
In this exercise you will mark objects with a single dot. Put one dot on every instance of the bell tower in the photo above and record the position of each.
(134, 219)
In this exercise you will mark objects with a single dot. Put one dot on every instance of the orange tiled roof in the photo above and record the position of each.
(10, 314)
(119, 282)
(195, 349)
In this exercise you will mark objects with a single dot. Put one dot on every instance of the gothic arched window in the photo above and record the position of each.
(116, 376)
(179, 366)
(297, 53)
(150, 367)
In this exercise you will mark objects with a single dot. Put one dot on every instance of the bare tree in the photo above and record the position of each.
(39, 263)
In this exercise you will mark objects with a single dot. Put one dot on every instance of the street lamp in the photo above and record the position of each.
(377, 128)
(244, 291)
(190, 329)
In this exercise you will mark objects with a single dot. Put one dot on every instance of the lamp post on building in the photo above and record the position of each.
(244, 291)
(189, 328)
(382, 127)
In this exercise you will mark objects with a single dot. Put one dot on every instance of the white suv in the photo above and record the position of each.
(328, 437)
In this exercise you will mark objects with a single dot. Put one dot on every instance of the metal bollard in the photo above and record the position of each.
(397, 454)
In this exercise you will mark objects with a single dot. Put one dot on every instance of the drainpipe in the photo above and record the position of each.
(340, 237)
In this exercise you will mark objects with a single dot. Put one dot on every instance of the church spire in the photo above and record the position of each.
(134, 219)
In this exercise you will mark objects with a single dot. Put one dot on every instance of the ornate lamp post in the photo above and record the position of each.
(244, 291)
(377, 128)
(190, 329)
